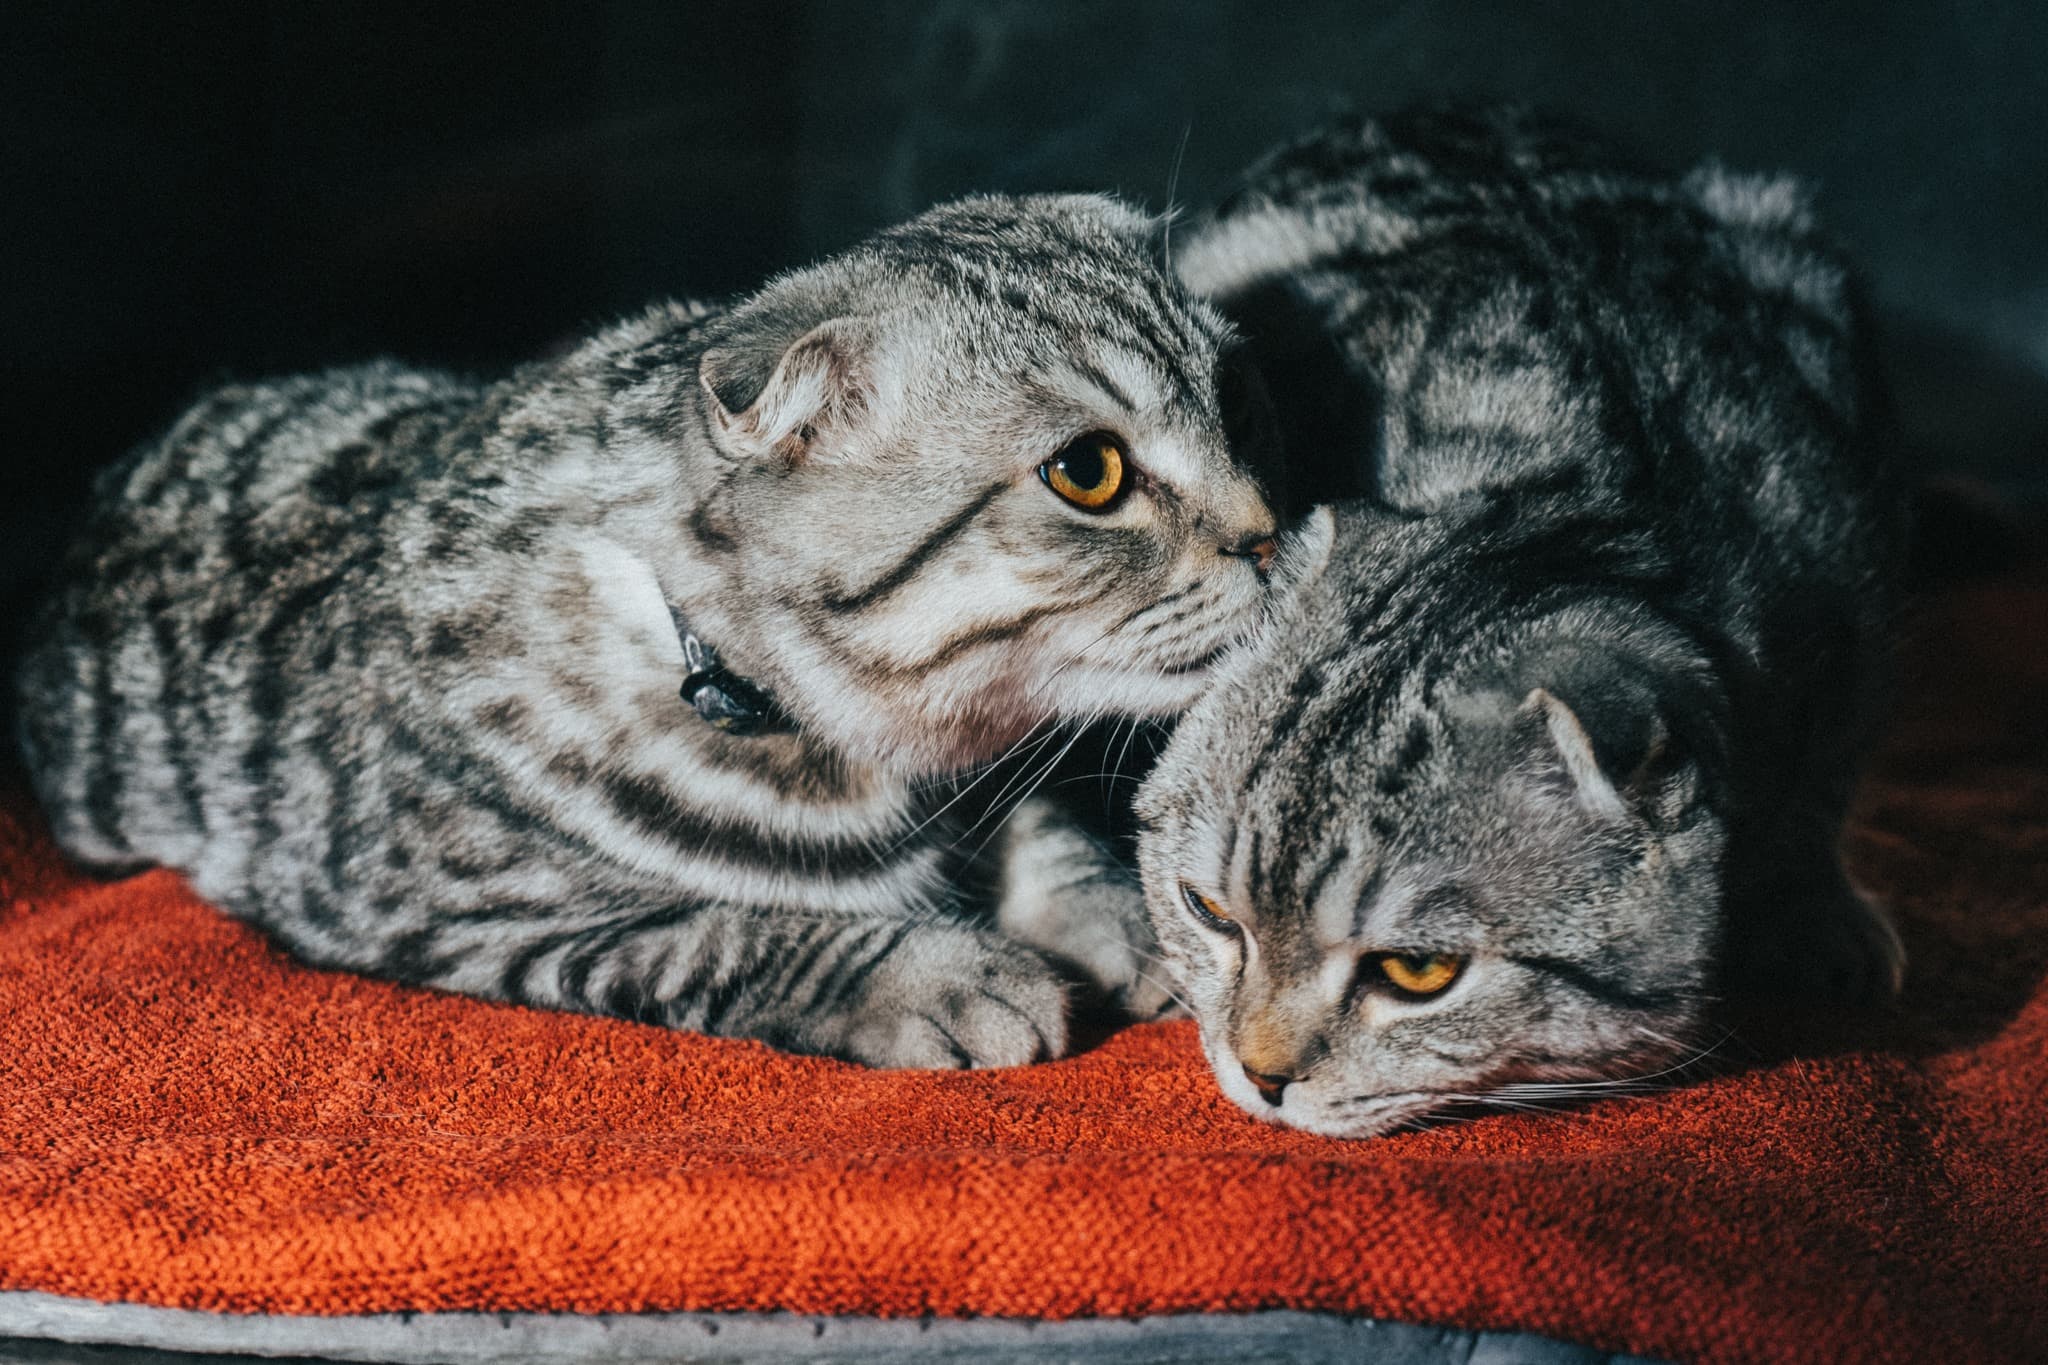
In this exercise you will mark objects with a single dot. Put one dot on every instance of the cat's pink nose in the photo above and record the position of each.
(1259, 550)
(1270, 1088)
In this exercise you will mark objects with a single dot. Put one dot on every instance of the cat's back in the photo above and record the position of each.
(1488, 300)
(200, 553)
(1597, 381)
(1368, 191)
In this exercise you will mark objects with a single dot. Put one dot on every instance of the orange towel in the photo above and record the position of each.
(186, 1118)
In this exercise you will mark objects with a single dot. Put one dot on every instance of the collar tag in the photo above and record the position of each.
(731, 704)
(722, 699)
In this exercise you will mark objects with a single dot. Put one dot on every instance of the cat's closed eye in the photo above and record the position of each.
(1089, 472)
(1206, 911)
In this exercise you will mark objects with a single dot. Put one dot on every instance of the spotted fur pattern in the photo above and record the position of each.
(1570, 690)
(386, 661)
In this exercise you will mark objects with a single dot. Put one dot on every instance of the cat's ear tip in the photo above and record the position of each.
(732, 377)
(777, 398)
(1306, 547)
(1571, 746)
(1541, 701)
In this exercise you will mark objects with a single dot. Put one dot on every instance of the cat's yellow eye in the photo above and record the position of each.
(1419, 973)
(1206, 909)
(1088, 472)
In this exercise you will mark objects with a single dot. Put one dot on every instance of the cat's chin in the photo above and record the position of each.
(1107, 692)
(1363, 1117)
(940, 746)
(933, 743)
(1380, 1116)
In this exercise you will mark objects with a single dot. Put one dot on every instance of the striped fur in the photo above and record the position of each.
(384, 660)
(1572, 688)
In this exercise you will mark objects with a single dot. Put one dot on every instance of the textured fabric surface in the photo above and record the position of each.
(187, 1119)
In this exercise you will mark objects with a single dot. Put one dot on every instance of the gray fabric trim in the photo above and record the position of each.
(32, 1326)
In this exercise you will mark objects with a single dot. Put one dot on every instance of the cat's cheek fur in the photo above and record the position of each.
(1006, 610)
(1111, 662)
(1200, 965)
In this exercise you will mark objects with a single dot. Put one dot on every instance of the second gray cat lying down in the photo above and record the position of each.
(1549, 742)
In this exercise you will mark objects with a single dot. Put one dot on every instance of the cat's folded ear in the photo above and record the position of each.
(1612, 756)
(796, 399)
(1305, 549)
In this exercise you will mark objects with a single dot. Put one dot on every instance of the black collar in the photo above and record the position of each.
(722, 699)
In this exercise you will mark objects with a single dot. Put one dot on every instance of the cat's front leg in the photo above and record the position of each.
(885, 992)
(929, 995)
(1070, 898)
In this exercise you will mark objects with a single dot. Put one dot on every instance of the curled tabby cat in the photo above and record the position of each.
(387, 662)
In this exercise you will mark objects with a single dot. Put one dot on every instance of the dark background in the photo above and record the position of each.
(196, 191)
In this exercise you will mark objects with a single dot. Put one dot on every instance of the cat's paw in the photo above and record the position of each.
(1147, 997)
(1067, 897)
(954, 997)
(1127, 977)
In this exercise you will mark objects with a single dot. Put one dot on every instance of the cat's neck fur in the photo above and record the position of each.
(632, 463)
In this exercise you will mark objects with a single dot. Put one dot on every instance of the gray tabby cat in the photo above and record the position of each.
(388, 661)
(1549, 741)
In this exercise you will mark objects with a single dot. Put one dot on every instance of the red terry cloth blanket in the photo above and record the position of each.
(189, 1119)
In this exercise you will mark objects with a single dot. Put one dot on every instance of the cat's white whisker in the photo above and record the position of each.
(1029, 789)
(1042, 732)
(1172, 209)
(1019, 774)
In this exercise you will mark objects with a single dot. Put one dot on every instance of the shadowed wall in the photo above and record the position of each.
(235, 189)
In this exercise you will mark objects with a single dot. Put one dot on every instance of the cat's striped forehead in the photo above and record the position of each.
(1073, 287)
(1317, 756)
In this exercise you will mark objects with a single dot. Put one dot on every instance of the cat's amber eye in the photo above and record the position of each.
(1419, 973)
(1206, 910)
(1088, 472)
